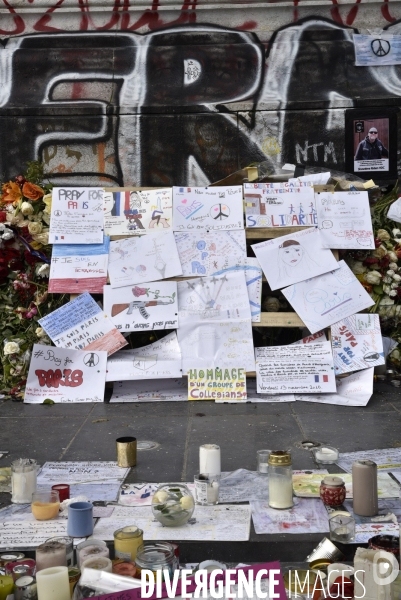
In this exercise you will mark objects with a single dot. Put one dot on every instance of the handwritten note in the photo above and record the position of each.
(81, 324)
(291, 369)
(216, 384)
(344, 220)
(77, 268)
(16, 535)
(357, 343)
(328, 298)
(274, 205)
(65, 375)
(354, 390)
(76, 216)
(132, 212)
(140, 308)
(212, 208)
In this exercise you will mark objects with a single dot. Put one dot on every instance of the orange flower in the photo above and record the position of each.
(11, 193)
(32, 191)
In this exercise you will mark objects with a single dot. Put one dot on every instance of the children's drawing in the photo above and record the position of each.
(279, 205)
(293, 258)
(210, 208)
(133, 212)
(153, 306)
(357, 343)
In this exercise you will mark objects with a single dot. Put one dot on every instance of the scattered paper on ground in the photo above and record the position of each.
(307, 516)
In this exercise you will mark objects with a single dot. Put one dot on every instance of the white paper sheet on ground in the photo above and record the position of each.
(77, 268)
(159, 360)
(377, 50)
(307, 516)
(17, 535)
(388, 460)
(308, 368)
(197, 249)
(357, 343)
(328, 298)
(214, 208)
(138, 260)
(253, 277)
(150, 391)
(74, 472)
(212, 523)
(344, 220)
(253, 396)
(76, 216)
(140, 494)
(132, 212)
(65, 375)
(293, 258)
(319, 336)
(394, 212)
(279, 206)
(307, 485)
(215, 327)
(153, 306)
(313, 179)
(354, 390)
(242, 486)
(81, 324)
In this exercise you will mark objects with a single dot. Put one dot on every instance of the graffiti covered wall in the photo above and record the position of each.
(107, 93)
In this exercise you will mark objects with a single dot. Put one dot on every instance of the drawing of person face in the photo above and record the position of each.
(291, 253)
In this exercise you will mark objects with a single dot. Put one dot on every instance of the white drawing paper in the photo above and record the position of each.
(150, 391)
(293, 258)
(344, 220)
(76, 216)
(354, 390)
(138, 308)
(78, 268)
(198, 249)
(214, 318)
(80, 324)
(313, 179)
(377, 50)
(159, 360)
(279, 206)
(132, 212)
(138, 260)
(291, 369)
(307, 516)
(394, 212)
(65, 375)
(328, 298)
(357, 343)
(319, 336)
(212, 208)
(253, 277)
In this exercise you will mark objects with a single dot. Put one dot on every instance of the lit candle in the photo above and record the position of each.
(100, 563)
(53, 584)
(6, 586)
(51, 554)
(209, 460)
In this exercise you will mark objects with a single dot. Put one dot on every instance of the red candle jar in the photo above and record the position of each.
(63, 490)
(332, 491)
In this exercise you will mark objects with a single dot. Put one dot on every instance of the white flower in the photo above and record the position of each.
(394, 286)
(396, 232)
(386, 301)
(397, 277)
(40, 332)
(26, 208)
(392, 294)
(14, 219)
(390, 273)
(43, 270)
(393, 266)
(35, 228)
(387, 279)
(373, 277)
(386, 289)
(160, 497)
(7, 235)
(42, 238)
(358, 267)
(187, 502)
(2, 227)
(380, 252)
(392, 256)
(396, 353)
(11, 348)
(382, 234)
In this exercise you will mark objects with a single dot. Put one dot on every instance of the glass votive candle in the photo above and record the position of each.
(100, 563)
(342, 529)
(45, 505)
(23, 480)
(207, 489)
(51, 554)
(10, 557)
(91, 548)
(25, 588)
(69, 547)
(125, 568)
(20, 568)
(127, 541)
(262, 457)
(326, 455)
(63, 490)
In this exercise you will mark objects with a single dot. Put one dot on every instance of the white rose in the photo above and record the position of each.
(160, 497)
(358, 267)
(387, 279)
(11, 348)
(382, 234)
(397, 277)
(187, 502)
(42, 238)
(386, 301)
(7, 235)
(393, 266)
(373, 277)
(392, 256)
(380, 252)
(43, 270)
(35, 228)
(392, 294)
(386, 289)
(26, 208)
(14, 219)
(396, 232)
(40, 332)
(394, 286)
(396, 353)
(390, 273)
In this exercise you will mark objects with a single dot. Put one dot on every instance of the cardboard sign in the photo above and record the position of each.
(76, 216)
(132, 212)
(65, 375)
(279, 206)
(217, 384)
(213, 208)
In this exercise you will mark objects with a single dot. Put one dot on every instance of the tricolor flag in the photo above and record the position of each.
(325, 378)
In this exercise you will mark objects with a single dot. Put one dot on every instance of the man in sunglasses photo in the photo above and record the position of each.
(371, 148)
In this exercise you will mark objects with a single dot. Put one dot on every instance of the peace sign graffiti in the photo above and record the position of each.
(380, 47)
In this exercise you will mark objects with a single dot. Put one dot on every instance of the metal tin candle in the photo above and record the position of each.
(100, 563)
(127, 541)
(10, 557)
(332, 491)
(91, 548)
(25, 588)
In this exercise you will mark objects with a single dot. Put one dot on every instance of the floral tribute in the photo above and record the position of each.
(25, 253)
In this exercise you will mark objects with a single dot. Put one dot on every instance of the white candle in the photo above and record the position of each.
(280, 491)
(263, 468)
(209, 459)
(101, 563)
(326, 455)
(53, 584)
(213, 492)
(92, 543)
(23, 485)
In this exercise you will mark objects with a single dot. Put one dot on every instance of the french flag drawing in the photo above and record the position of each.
(325, 378)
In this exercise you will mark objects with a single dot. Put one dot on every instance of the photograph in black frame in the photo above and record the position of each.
(371, 143)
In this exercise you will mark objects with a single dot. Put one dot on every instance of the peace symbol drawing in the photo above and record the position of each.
(380, 47)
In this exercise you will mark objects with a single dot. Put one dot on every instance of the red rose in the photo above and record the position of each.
(3, 216)
(377, 243)
(3, 275)
(385, 261)
(30, 259)
(137, 291)
(370, 261)
(16, 264)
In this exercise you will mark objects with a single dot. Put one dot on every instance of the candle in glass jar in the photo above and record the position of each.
(100, 563)
(25, 589)
(127, 541)
(209, 460)
(6, 586)
(23, 480)
(92, 551)
(69, 548)
(50, 554)
(53, 584)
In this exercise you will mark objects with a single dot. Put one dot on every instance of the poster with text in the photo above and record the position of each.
(210, 208)
(354, 390)
(132, 212)
(371, 145)
(280, 206)
(217, 384)
(76, 216)
(357, 343)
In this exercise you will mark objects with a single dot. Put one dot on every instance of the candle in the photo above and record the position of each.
(91, 548)
(280, 480)
(6, 586)
(124, 568)
(326, 455)
(23, 480)
(53, 584)
(50, 554)
(69, 548)
(100, 563)
(127, 541)
(44, 510)
(63, 491)
(209, 459)
(364, 486)
(25, 588)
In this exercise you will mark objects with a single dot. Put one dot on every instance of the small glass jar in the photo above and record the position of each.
(8, 557)
(23, 480)
(20, 568)
(50, 554)
(156, 556)
(173, 504)
(69, 547)
(280, 480)
(90, 548)
(127, 541)
(45, 505)
(332, 491)
(262, 457)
